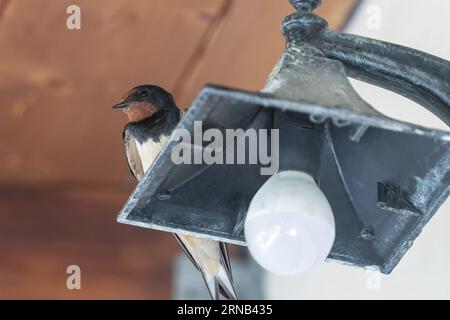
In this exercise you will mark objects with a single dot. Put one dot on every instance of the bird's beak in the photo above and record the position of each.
(121, 105)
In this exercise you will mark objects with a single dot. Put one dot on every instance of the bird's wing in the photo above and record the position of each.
(186, 251)
(225, 257)
(134, 161)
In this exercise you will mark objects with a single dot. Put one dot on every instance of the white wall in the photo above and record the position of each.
(424, 272)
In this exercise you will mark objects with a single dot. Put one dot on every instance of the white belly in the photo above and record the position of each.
(149, 150)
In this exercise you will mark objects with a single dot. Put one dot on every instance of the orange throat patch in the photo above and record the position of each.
(138, 111)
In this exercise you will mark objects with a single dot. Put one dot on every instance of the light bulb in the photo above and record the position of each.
(289, 225)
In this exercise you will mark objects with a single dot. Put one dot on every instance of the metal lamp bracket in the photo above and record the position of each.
(356, 154)
(416, 75)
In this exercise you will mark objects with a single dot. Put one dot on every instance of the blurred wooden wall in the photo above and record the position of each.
(63, 175)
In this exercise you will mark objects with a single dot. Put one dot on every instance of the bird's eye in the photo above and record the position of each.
(143, 93)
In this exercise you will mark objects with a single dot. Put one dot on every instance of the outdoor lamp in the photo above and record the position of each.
(344, 181)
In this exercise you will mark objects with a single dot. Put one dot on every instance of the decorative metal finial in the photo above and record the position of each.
(302, 25)
(305, 5)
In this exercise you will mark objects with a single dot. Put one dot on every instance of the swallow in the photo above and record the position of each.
(152, 116)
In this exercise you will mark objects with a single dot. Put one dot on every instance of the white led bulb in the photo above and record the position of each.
(289, 225)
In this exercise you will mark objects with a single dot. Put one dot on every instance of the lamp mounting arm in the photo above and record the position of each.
(414, 74)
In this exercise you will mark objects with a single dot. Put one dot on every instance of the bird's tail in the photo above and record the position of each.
(220, 283)
(211, 259)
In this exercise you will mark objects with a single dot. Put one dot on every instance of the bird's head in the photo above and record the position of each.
(145, 101)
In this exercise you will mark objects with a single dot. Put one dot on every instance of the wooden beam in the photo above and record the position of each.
(44, 231)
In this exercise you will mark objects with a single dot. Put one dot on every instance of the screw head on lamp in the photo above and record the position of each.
(289, 225)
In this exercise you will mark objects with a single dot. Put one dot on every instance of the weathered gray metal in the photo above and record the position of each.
(384, 178)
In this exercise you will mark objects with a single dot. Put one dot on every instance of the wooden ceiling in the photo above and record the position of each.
(63, 175)
(57, 85)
